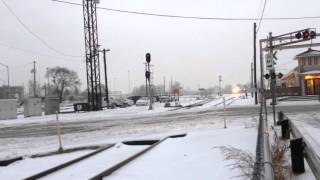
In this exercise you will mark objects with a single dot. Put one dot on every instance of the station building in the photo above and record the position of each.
(306, 76)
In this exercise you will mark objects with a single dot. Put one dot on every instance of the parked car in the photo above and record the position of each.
(126, 102)
(143, 101)
(164, 99)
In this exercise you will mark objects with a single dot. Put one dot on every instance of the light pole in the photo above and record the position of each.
(129, 83)
(220, 86)
(6, 66)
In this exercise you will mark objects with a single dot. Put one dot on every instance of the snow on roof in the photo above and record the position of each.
(311, 72)
(309, 53)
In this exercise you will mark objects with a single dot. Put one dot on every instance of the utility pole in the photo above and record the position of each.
(129, 83)
(106, 76)
(170, 86)
(34, 79)
(255, 63)
(220, 94)
(251, 80)
(8, 81)
(114, 85)
(48, 83)
(164, 85)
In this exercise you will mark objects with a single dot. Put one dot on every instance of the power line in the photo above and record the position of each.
(33, 53)
(194, 17)
(264, 7)
(34, 34)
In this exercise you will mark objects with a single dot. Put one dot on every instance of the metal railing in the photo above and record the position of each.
(263, 169)
(309, 153)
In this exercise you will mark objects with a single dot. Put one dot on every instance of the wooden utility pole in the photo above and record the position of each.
(251, 80)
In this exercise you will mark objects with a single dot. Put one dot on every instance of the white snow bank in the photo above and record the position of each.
(191, 157)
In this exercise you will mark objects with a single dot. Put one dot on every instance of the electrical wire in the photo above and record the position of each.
(40, 54)
(264, 7)
(193, 17)
(34, 34)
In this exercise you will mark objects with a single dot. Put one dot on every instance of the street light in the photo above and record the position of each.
(8, 78)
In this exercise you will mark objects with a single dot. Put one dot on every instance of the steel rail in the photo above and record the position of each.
(66, 164)
(117, 166)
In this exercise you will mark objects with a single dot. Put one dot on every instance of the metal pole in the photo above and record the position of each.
(34, 78)
(220, 86)
(105, 76)
(255, 63)
(164, 86)
(8, 82)
(150, 104)
(273, 81)
(48, 83)
(129, 82)
(146, 80)
(262, 88)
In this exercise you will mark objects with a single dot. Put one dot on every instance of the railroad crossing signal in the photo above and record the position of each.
(148, 74)
(148, 57)
(273, 76)
(306, 34)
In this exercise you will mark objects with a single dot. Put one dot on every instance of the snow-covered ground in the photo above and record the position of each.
(191, 157)
(195, 156)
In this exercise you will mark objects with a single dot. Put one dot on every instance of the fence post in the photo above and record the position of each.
(297, 160)
(285, 129)
(58, 131)
(280, 117)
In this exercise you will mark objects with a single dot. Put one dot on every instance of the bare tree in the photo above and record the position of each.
(63, 79)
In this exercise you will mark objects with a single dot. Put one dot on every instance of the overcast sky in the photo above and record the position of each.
(193, 52)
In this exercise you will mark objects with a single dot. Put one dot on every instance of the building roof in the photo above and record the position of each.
(311, 72)
(308, 53)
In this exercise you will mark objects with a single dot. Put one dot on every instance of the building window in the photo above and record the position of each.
(309, 61)
(315, 61)
(303, 62)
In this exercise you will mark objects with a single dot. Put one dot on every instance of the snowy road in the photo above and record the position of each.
(48, 128)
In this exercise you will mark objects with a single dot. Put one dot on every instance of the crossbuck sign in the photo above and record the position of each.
(269, 62)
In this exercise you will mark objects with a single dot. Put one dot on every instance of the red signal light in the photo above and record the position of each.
(305, 34)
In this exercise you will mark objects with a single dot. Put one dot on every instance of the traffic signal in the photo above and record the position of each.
(273, 75)
(267, 76)
(148, 57)
(147, 74)
(280, 75)
(306, 34)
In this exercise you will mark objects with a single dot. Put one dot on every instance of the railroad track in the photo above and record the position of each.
(102, 162)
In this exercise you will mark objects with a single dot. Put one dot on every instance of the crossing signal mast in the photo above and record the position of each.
(92, 53)
(291, 40)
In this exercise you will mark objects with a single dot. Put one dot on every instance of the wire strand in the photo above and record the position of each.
(40, 54)
(264, 7)
(193, 17)
(34, 34)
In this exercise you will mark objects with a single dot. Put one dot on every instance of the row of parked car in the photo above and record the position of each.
(140, 101)
(114, 103)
